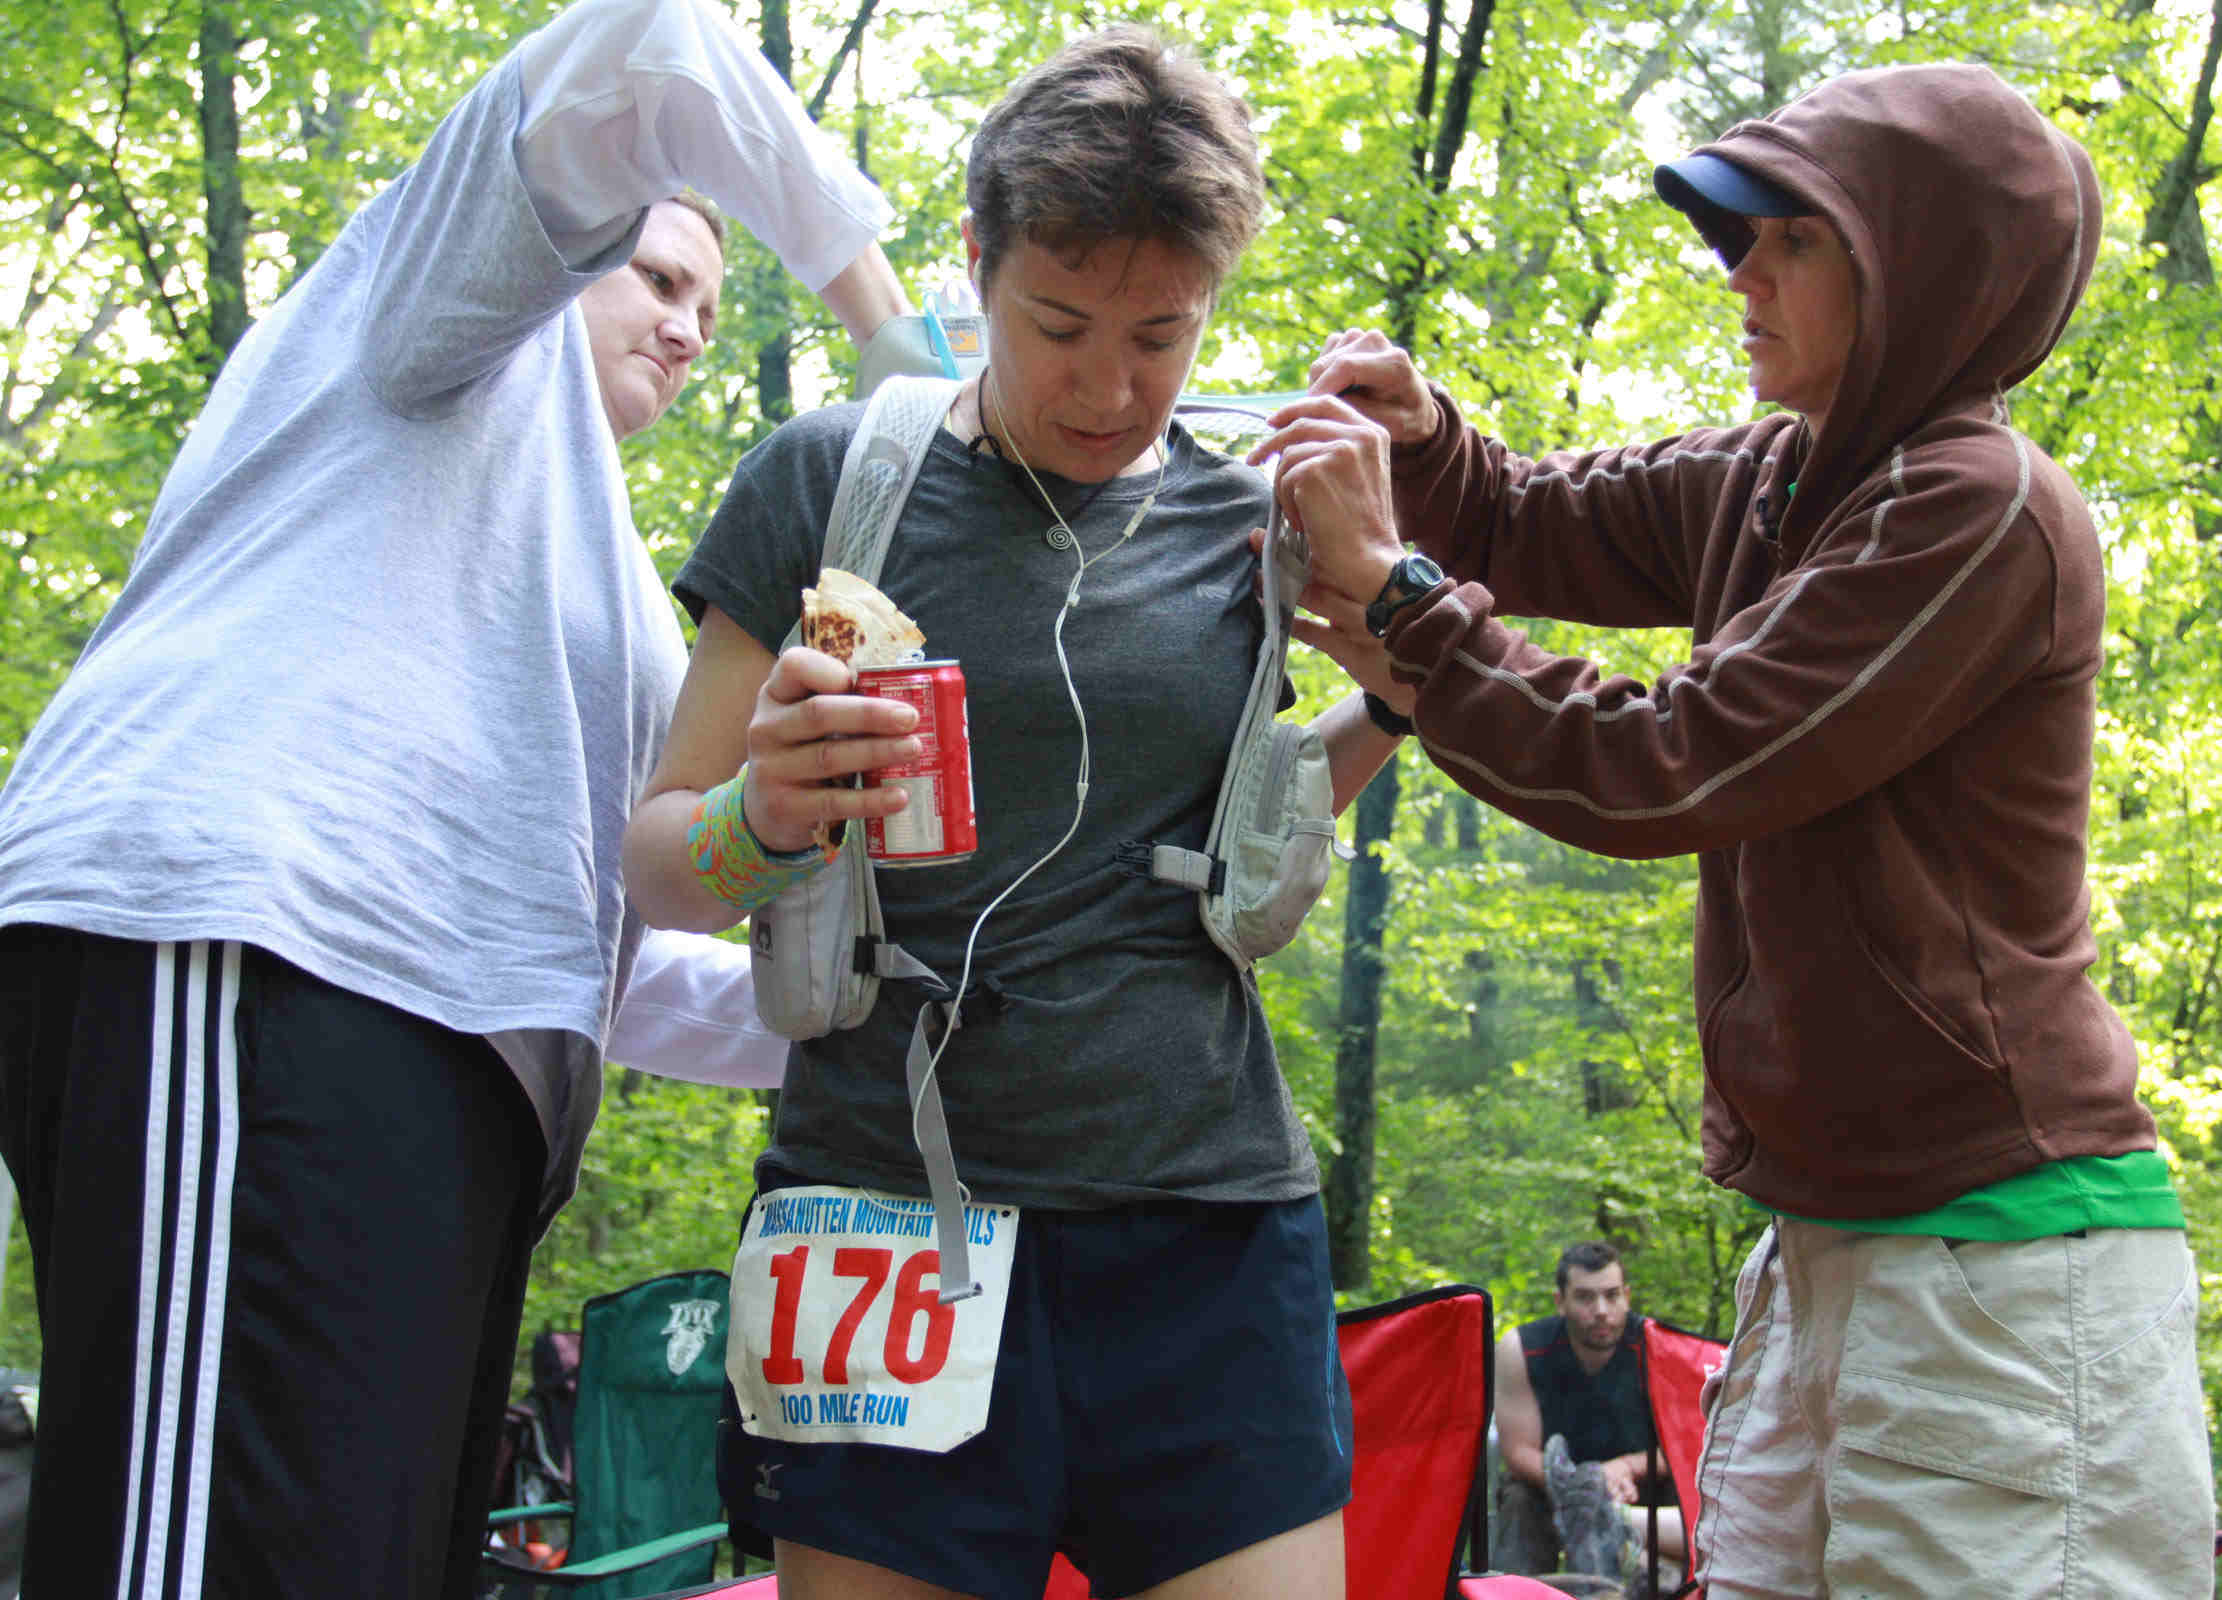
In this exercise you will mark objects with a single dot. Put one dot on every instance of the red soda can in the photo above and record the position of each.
(938, 824)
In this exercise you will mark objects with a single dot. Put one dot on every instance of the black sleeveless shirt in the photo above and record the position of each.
(1602, 1415)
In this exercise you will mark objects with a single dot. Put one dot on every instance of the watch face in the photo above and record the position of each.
(1419, 575)
(1410, 578)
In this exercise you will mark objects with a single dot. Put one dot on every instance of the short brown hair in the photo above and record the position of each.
(1591, 1255)
(1120, 135)
(706, 211)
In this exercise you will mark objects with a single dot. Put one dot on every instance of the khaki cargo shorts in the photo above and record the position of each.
(1906, 1415)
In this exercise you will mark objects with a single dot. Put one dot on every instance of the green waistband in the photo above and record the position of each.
(2131, 1191)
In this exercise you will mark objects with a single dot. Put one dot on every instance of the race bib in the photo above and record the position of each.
(838, 1332)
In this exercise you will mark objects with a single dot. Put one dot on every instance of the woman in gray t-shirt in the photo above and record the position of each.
(1153, 1357)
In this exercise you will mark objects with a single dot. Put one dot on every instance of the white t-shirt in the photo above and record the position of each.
(392, 665)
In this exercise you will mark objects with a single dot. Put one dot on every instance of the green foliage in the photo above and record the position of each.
(665, 1178)
(19, 1312)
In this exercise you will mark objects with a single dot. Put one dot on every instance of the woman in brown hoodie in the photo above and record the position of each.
(1964, 1350)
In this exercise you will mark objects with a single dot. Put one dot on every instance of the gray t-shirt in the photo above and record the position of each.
(1111, 1053)
(392, 663)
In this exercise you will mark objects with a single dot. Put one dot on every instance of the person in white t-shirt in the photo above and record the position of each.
(311, 923)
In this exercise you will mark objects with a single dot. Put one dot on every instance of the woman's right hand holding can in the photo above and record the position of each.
(808, 738)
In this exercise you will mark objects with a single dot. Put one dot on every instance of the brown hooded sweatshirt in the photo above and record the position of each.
(1881, 743)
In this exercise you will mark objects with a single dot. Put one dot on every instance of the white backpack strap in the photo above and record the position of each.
(890, 445)
(930, 1126)
(883, 460)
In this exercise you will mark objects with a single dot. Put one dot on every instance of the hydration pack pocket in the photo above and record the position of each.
(803, 946)
(1272, 839)
(1278, 845)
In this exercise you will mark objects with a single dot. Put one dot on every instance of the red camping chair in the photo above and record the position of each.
(1420, 1392)
(1675, 1364)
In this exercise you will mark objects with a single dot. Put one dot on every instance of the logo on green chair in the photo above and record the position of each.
(693, 1324)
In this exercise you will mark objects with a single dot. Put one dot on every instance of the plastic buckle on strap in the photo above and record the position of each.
(1132, 857)
(989, 1001)
(1169, 863)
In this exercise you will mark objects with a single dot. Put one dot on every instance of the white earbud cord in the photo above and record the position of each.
(1072, 692)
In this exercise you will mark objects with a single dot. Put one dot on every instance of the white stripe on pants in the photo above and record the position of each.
(185, 1246)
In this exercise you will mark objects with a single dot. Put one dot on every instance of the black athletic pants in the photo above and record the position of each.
(280, 1235)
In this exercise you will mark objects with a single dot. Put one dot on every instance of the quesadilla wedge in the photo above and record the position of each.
(852, 621)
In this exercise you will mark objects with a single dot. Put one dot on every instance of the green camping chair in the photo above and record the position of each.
(645, 1515)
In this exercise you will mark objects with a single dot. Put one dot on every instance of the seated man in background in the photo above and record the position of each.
(1574, 1428)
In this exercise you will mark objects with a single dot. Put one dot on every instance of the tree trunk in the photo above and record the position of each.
(1604, 1088)
(775, 378)
(2173, 223)
(1350, 1174)
(1468, 812)
(222, 187)
(2173, 220)
(1365, 915)
(775, 374)
(1481, 1011)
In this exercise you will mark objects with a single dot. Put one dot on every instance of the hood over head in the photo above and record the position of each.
(1973, 224)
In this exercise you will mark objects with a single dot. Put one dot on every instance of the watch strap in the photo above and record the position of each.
(1386, 717)
(1409, 580)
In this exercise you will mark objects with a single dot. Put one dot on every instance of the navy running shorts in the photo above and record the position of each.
(1168, 1391)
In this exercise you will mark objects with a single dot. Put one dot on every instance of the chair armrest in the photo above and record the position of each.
(574, 1573)
(509, 1514)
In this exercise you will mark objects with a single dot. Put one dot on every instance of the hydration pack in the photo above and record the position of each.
(820, 950)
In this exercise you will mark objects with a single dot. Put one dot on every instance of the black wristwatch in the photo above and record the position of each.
(1409, 579)
(1386, 717)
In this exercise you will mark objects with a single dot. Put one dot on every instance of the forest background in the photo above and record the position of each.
(1489, 1036)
